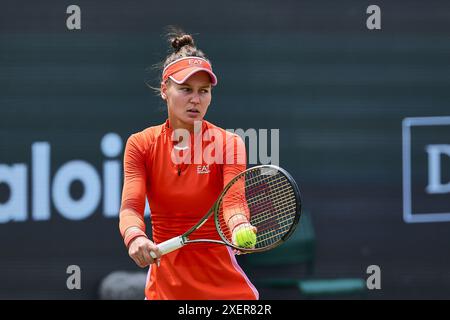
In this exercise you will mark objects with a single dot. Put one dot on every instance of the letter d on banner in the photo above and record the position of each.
(435, 184)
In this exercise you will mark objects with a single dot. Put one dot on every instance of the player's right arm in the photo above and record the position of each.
(131, 217)
(140, 247)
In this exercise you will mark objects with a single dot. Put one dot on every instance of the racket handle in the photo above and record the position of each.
(169, 246)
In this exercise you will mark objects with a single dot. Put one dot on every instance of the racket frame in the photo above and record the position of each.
(293, 226)
(179, 241)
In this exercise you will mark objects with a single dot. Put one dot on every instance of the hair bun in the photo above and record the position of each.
(181, 41)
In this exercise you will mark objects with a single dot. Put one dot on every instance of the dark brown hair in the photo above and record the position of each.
(182, 45)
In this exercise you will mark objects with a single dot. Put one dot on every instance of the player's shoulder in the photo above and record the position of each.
(146, 137)
(150, 134)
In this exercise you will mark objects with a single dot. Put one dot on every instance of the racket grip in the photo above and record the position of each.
(169, 246)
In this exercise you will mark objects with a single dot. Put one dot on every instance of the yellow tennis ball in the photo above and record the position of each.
(245, 238)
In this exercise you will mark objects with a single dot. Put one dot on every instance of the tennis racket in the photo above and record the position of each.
(264, 198)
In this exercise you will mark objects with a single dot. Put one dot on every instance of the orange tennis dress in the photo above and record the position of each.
(180, 193)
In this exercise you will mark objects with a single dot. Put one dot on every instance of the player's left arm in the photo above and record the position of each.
(235, 208)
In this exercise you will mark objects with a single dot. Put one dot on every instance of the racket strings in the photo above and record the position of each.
(253, 198)
(280, 194)
(261, 202)
(278, 213)
(267, 198)
(240, 194)
(283, 226)
(275, 222)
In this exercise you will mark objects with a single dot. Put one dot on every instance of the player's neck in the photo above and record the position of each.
(177, 124)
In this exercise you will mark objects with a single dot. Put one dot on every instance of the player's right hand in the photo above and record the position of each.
(139, 250)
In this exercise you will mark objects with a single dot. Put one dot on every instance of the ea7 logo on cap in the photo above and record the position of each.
(195, 61)
(426, 169)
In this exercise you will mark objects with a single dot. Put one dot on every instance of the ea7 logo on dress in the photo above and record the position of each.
(426, 169)
(203, 169)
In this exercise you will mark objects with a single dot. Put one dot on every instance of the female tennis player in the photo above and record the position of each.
(181, 192)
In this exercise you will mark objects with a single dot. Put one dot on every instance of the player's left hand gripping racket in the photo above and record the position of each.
(265, 198)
